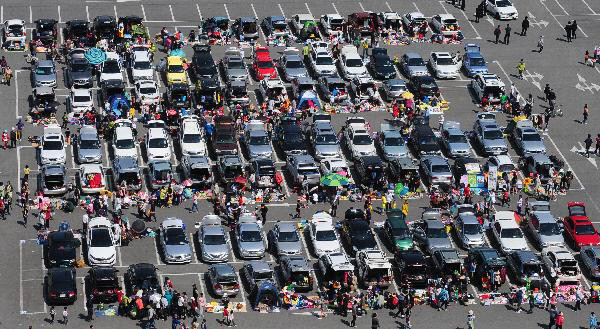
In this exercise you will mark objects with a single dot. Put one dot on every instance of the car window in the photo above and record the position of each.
(585, 230)
(100, 237)
(158, 143)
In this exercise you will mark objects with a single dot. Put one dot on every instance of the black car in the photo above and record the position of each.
(358, 236)
(526, 266)
(354, 213)
(370, 170)
(413, 268)
(105, 27)
(424, 141)
(296, 271)
(78, 30)
(254, 272)
(142, 276)
(485, 260)
(274, 25)
(203, 65)
(423, 86)
(380, 64)
(61, 287)
(447, 262)
(79, 73)
(103, 284)
(290, 138)
(61, 249)
(264, 172)
(45, 31)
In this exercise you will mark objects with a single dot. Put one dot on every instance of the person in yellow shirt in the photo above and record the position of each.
(405, 208)
(383, 202)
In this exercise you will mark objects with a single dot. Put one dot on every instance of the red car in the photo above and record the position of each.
(263, 65)
(579, 228)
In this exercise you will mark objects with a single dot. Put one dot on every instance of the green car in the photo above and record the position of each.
(397, 230)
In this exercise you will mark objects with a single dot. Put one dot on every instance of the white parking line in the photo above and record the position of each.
(285, 187)
(281, 10)
(172, 16)
(264, 236)
(2, 14)
(227, 11)
(242, 292)
(87, 13)
(106, 154)
(584, 2)
(301, 232)
(335, 8)
(30, 15)
(388, 6)
(21, 274)
(115, 10)
(361, 6)
(201, 281)
(306, 4)
(59, 16)
(84, 294)
(194, 255)
(230, 251)
(143, 12)
(199, 13)
(561, 7)
(154, 243)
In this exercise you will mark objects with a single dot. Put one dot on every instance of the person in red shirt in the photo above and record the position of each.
(560, 320)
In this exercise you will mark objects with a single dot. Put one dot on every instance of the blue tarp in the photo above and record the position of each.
(266, 288)
(114, 102)
(306, 97)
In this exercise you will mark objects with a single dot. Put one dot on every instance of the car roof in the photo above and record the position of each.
(503, 159)
(560, 252)
(61, 235)
(45, 63)
(91, 168)
(304, 159)
(307, 17)
(540, 158)
(441, 54)
(286, 227)
(224, 269)
(544, 217)
(143, 269)
(446, 16)
(174, 60)
(435, 159)
(412, 256)
(156, 133)
(297, 263)
(260, 266)
(468, 218)
(104, 272)
(434, 223)
(126, 162)
(527, 256)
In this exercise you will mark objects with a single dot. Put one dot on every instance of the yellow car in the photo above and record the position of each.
(175, 70)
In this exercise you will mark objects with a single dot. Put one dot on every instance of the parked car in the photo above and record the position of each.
(61, 249)
(468, 231)
(222, 279)
(332, 24)
(560, 264)
(579, 230)
(443, 65)
(61, 286)
(142, 276)
(52, 179)
(89, 148)
(413, 268)
(254, 273)
(431, 234)
(424, 141)
(397, 231)
(381, 65)
(284, 239)
(501, 9)
(322, 234)
(489, 136)
(302, 167)
(276, 26)
(249, 237)
(296, 271)
(291, 65)
(53, 146)
(435, 170)
(373, 269)
(454, 141)
(413, 65)
(174, 241)
(126, 169)
(526, 138)
(527, 268)
(101, 242)
(544, 228)
(390, 142)
(393, 89)
(103, 284)
(358, 236)
(212, 240)
(590, 257)
(351, 64)
(509, 236)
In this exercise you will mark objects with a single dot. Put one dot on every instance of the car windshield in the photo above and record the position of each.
(397, 88)
(416, 62)
(293, 138)
(577, 211)
(224, 138)
(354, 62)
(308, 171)
(477, 61)
(142, 65)
(111, 67)
(362, 140)
(587, 229)
(492, 134)
(294, 64)
(250, 236)
(327, 139)
(192, 138)
(471, 229)
(101, 238)
(288, 237)
(511, 233)
(327, 235)
(400, 232)
(503, 3)
(394, 141)
(212, 240)
(175, 237)
(81, 99)
(264, 64)
(549, 229)
(44, 70)
(176, 69)
(259, 140)
(53, 145)
(89, 144)
(147, 90)
(158, 143)
(506, 167)
(235, 65)
(439, 168)
(444, 61)
(125, 144)
(16, 30)
(79, 67)
(437, 233)
(322, 60)
(457, 139)
(534, 137)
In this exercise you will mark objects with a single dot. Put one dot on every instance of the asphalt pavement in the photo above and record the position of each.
(560, 65)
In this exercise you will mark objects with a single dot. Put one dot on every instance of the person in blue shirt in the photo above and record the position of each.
(593, 321)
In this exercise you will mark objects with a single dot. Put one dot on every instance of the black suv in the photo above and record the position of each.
(358, 235)
(45, 31)
(370, 170)
(290, 138)
(78, 30)
(424, 141)
(103, 284)
(380, 64)
(295, 270)
(61, 249)
(142, 276)
(424, 86)
(485, 260)
(413, 268)
(61, 287)
(203, 65)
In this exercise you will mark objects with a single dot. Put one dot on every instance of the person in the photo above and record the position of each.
(13, 138)
(597, 150)
(519, 297)
(588, 145)
(334, 205)
(586, 113)
(203, 324)
(89, 305)
(298, 207)
(263, 213)
(578, 298)
(497, 33)
(540, 44)
(531, 300)
(553, 315)
(519, 204)
(507, 34)
(462, 5)
(53, 314)
(521, 68)
(574, 29)
(568, 29)
(524, 26)
(65, 315)
(478, 13)
(560, 320)
(471, 320)
(593, 321)
(374, 321)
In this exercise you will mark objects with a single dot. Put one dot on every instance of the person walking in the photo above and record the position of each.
(540, 44)
(531, 300)
(586, 113)
(334, 205)
(89, 306)
(53, 314)
(478, 13)
(407, 313)
(497, 33)
(597, 150)
(263, 213)
(521, 68)
(560, 320)
(568, 28)
(13, 138)
(463, 3)
(578, 299)
(471, 320)
(574, 29)
(507, 34)
(519, 297)
(553, 315)
(65, 315)
(519, 204)
(593, 321)
(375, 321)
(195, 198)
(588, 145)
(524, 26)
(354, 314)
(203, 324)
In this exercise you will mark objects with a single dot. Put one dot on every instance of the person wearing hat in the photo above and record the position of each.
(471, 320)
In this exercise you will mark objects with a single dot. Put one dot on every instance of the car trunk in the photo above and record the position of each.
(54, 182)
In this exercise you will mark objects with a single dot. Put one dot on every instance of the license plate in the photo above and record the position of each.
(63, 295)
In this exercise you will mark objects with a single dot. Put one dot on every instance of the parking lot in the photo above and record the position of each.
(559, 65)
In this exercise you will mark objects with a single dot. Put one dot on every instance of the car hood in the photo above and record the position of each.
(52, 154)
(325, 68)
(506, 10)
(252, 246)
(327, 246)
(458, 147)
(260, 150)
(404, 243)
(446, 68)
(237, 74)
(589, 239)
(159, 153)
(81, 75)
(290, 248)
(534, 146)
(45, 77)
(514, 244)
(193, 148)
(474, 239)
(494, 143)
(326, 149)
(365, 149)
(439, 243)
(356, 69)
(552, 240)
(102, 252)
(89, 154)
(395, 151)
(216, 250)
(132, 152)
(300, 72)
(111, 76)
(418, 70)
(142, 73)
(178, 250)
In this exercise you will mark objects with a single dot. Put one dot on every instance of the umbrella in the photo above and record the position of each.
(95, 56)
(138, 226)
(407, 95)
(400, 189)
(177, 52)
(333, 180)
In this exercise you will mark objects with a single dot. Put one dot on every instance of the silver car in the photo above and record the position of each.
(256, 140)
(393, 89)
(89, 148)
(544, 229)
(490, 137)
(233, 65)
(303, 166)
(454, 141)
(223, 280)
(590, 257)
(431, 234)
(255, 272)
(291, 65)
(413, 65)
(174, 242)
(284, 239)
(44, 74)
(436, 170)
(527, 139)
(390, 143)
(249, 237)
(324, 140)
(212, 240)
(468, 231)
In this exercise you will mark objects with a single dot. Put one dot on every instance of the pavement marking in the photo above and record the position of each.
(361, 6)
(201, 283)
(143, 12)
(388, 6)
(21, 273)
(335, 8)
(119, 256)
(87, 13)
(2, 13)
(227, 11)
(256, 16)
(285, 187)
(115, 9)
(194, 255)
(171, 10)
(419, 10)
(59, 16)
(242, 292)
(84, 295)
(156, 252)
(470, 23)
(306, 4)
(281, 10)
(230, 251)
(199, 13)
(590, 8)
(30, 15)
(443, 7)
(106, 156)
(561, 7)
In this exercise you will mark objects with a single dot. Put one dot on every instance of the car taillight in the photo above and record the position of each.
(71, 294)
(95, 291)
(237, 286)
(52, 294)
(217, 287)
(110, 291)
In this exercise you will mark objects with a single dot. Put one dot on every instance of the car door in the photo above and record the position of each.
(588, 259)
(497, 230)
(534, 225)
(570, 225)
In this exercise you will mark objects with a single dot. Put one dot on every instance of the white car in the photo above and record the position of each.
(509, 236)
(157, 144)
(191, 138)
(560, 263)
(91, 178)
(358, 140)
(80, 100)
(111, 68)
(102, 240)
(299, 20)
(147, 92)
(123, 143)
(443, 65)
(445, 24)
(488, 85)
(53, 146)
(414, 19)
(141, 66)
(332, 24)
(322, 234)
(501, 9)
(351, 64)
(321, 62)
(13, 34)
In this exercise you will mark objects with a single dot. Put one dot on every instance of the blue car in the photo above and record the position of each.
(473, 61)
